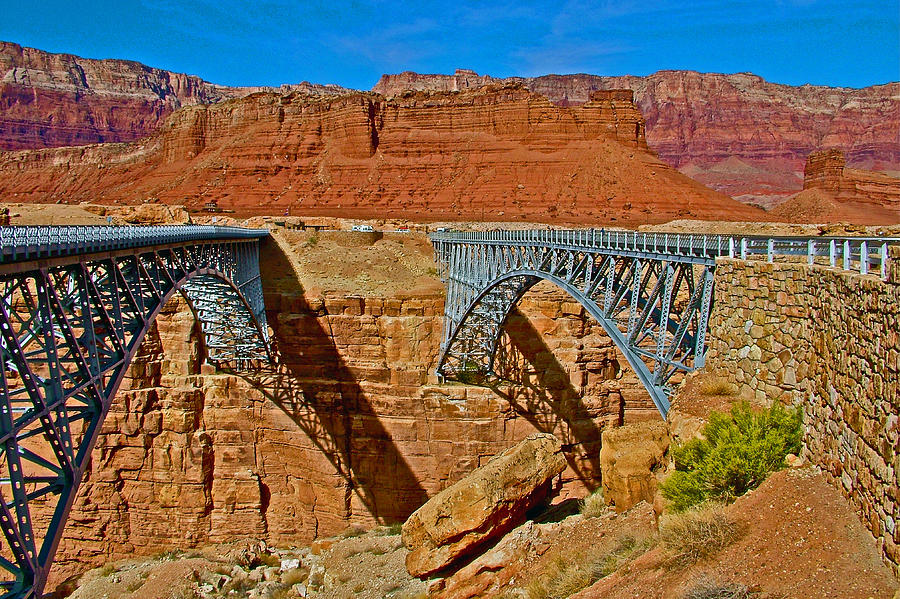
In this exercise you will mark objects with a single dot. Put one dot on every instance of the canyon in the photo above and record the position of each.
(349, 428)
(737, 133)
(499, 153)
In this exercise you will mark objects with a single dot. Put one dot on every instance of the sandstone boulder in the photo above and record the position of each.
(482, 507)
(629, 459)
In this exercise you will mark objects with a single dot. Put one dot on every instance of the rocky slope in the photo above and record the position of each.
(497, 153)
(738, 133)
(49, 100)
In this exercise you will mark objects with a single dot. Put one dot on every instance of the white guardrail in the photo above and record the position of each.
(859, 254)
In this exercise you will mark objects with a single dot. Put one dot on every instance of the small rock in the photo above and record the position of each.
(316, 576)
(289, 564)
(299, 589)
(794, 461)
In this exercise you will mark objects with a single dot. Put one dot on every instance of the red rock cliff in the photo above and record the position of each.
(737, 133)
(50, 100)
(827, 170)
(500, 152)
(351, 430)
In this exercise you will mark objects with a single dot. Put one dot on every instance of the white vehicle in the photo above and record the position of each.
(363, 228)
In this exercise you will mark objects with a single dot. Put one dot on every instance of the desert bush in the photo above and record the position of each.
(739, 451)
(709, 589)
(717, 386)
(295, 575)
(394, 528)
(563, 577)
(692, 535)
(108, 569)
(568, 574)
(593, 505)
(353, 531)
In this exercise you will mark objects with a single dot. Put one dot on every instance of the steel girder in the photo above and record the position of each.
(654, 307)
(69, 327)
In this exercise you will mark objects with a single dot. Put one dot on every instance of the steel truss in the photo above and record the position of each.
(655, 310)
(70, 324)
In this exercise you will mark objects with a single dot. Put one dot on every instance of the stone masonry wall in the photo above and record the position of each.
(830, 341)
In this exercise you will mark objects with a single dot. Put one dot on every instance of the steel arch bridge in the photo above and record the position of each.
(651, 293)
(75, 303)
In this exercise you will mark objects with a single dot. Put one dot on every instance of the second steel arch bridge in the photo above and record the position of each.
(651, 292)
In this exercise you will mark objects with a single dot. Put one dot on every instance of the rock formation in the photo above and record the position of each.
(827, 170)
(485, 505)
(49, 100)
(737, 133)
(350, 431)
(498, 153)
(630, 458)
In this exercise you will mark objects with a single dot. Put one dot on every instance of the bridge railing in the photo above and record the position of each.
(19, 243)
(859, 254)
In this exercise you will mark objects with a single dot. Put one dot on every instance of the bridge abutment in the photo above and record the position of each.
(828, 340)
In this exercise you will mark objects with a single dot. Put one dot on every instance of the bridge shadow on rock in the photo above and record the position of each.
(539, 388)
(311, 382)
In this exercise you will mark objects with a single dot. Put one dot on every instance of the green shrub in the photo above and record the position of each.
(740, 450)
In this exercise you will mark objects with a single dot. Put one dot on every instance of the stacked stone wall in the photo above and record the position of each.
(830, 341)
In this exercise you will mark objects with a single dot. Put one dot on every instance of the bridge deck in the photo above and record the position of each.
(20, 244)
(845, 252)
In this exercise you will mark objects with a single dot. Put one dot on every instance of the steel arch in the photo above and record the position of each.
(654, 306)
(70, 324)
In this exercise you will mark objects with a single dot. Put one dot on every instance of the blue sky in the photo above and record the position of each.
(824, 42)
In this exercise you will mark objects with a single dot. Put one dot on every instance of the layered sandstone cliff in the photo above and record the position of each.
(737, 133)
(349, 428)
(497, 153)
(49, 100)
(826, 170)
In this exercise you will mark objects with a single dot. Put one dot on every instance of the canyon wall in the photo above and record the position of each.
(827, 170)
(739, 133)
(826, 340)
(349, 427)
(49, 100)
(499, 153)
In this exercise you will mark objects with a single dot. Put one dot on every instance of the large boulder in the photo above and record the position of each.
(484, 506)
(630, 458)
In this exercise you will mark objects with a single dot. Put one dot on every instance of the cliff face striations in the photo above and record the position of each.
(350, 427)
(50, 100)
(826, 170)
(500, 152)
(737, 133)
